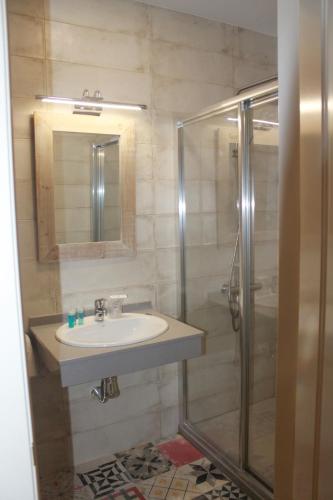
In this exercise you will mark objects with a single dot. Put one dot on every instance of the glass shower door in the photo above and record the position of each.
(229, 243)
(211, 231)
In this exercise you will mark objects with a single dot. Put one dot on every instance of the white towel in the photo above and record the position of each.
(31, 357)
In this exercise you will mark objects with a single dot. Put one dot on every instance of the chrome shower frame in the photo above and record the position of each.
(244, 102)
(97, 193)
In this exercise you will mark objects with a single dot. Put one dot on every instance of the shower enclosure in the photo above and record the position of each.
(229, 266)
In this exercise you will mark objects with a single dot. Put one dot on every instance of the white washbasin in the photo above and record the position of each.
(130, 328)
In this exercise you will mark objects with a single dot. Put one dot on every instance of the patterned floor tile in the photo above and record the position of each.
(228, 490)
(186, 482)
(142, 473)
(127, 493)
(144, 461)
(202, 476)
(105, 479)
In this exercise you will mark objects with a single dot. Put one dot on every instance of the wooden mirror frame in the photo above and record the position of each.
(49, 250)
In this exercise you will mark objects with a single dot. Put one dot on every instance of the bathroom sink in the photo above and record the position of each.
(130, 328)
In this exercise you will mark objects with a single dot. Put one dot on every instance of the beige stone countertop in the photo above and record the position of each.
(83, 364)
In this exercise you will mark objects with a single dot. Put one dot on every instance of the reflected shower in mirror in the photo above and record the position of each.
(86, 187)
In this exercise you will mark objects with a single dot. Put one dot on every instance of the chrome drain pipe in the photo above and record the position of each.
(108, 389)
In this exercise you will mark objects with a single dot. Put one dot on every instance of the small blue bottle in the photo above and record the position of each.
(80, 316)
(71, 318)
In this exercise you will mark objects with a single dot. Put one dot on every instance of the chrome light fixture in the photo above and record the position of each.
(87, 105)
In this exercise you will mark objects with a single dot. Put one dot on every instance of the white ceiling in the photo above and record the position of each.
(256, 15)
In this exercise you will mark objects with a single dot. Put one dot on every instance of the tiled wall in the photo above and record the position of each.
(176, 64)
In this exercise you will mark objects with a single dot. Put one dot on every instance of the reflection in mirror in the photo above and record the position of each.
(86, 187)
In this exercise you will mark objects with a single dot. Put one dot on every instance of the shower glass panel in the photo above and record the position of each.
(264, 244)
(229, 253)
(210, 178)
(105, 191)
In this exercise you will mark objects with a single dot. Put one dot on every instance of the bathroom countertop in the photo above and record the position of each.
(79, 365)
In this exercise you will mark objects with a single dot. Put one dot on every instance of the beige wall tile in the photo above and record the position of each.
(193, 229)
(102, 441)
(27, 76)
(71, 172)
(166, 194)
(111, 196)
(144, 161)
(66, 79)
(25, 36)
(168, 299)
(192, 196)
(208, 196)
(112, 15)
(164, 128)
(165, 162)
(37, 307)
(107, 273)
(73, 236)
(143, 377)
(101, 48)
(172, 61)
(167, 265)
(192, 163)
(27, 239)
(72, 146)
(48, 403)
(24, 196)
(186, 96)
(28, 7)
(87, 414)
(61, 456)
(209, 229)
(266, 256)
(169, 421)
(22, 116)
(169, 385)
(166, 231)
(208, 261)
(23, 159)
(86, 298)
(36, 280)
(189, 30)
(145, 232)
(246, 72)
(254, 46)
(76, 219)
(72, 196)
(144, 197)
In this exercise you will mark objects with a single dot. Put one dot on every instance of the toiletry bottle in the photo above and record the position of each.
(71, 317)
(80, 316)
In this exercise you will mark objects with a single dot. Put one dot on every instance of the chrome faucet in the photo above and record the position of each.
(100, 309)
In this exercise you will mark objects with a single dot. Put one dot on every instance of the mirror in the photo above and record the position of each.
(85, 187)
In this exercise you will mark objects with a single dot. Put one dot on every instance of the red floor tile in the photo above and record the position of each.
(179, 451)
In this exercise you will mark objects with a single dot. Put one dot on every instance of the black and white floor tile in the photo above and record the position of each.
(105, 478)
(144, 462)
(228, 490)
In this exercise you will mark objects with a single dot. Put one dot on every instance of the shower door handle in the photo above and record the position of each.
(234, 290)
